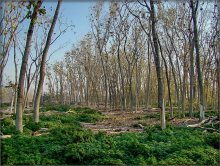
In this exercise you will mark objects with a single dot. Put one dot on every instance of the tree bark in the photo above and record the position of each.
(43, 64)
(191, 77)
(157, 63)
(20, 97)
(198, 67)
(218, 57)
(167, 78)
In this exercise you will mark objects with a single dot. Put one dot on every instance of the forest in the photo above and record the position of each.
(140, 87)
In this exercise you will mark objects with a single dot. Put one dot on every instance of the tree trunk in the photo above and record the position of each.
(218, 58)
(122, 77)
(43, 64)
(12, 100)
(198, 67)
(20, 97)
(168, 81)
(148, 77)
(191, 77)
(130, 89)
(16, 77)
(158, 67)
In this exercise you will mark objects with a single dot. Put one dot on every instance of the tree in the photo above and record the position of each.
(20, 95)
(43, 64)
(194, 7)
(218, 56)
(11, 18)
(157, 63)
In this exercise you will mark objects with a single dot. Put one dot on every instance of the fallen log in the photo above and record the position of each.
(207, 121)
(198, 124)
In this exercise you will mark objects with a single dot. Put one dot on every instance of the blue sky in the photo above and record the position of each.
(78, 13)
(75, 12)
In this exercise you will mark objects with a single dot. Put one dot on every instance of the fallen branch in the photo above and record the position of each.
(207, 121)
(212, 129)
(198, 124)
(171, 119)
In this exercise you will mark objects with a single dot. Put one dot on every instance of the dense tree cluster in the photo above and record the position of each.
(137, 55)
(142, 55)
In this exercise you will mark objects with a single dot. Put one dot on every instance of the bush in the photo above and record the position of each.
(107, 161)
(33, 126)
(60, 108)
(69, 143)
(7, 122)
(212, 139)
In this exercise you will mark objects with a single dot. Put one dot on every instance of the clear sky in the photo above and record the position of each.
(78, 13)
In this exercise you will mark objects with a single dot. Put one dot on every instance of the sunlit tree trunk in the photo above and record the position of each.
(194, 8)
(157, 63)
(43, 65)
(191, 75)
(20, 97)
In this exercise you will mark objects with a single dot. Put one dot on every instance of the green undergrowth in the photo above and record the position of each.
(71, 116)
(67, 142)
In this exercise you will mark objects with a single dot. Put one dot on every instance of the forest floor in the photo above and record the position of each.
(125, 121)
(125, 138)
(118, 121)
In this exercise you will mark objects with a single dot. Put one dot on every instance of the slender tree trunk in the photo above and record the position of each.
(218, 58)
(16, 77)
(130, 89)
(168, 81)
(148, 77)
(20, 97)
(179, 86)
(43, 64)
(158, 67)
(12, 100)
(2, 3)
(191, 77)
(173, 72)
(184, 88)
(122, 77)
(198, 66)
(61, 99)
(136, 87)
(105, 81)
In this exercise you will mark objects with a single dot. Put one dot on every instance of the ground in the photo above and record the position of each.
(118, 121)
(107, 138)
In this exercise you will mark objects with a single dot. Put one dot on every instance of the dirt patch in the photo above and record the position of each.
(121, 121)
(125, 121)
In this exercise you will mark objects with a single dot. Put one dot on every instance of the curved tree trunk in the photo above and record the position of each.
(43, 64)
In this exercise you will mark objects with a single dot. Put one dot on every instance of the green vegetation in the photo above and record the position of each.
(67, 142)
(51, 107)
(4, 105)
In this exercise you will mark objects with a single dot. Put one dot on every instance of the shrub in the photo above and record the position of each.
(107, 161)
(212, 139)
(33, 126)
(69, 143)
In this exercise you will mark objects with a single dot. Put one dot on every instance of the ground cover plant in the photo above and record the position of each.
(67, 142)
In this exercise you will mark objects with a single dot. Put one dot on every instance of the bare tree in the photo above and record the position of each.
(43, 64)
(194, 7)
(20, 97)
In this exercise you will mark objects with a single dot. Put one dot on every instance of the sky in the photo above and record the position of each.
(73, 12)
